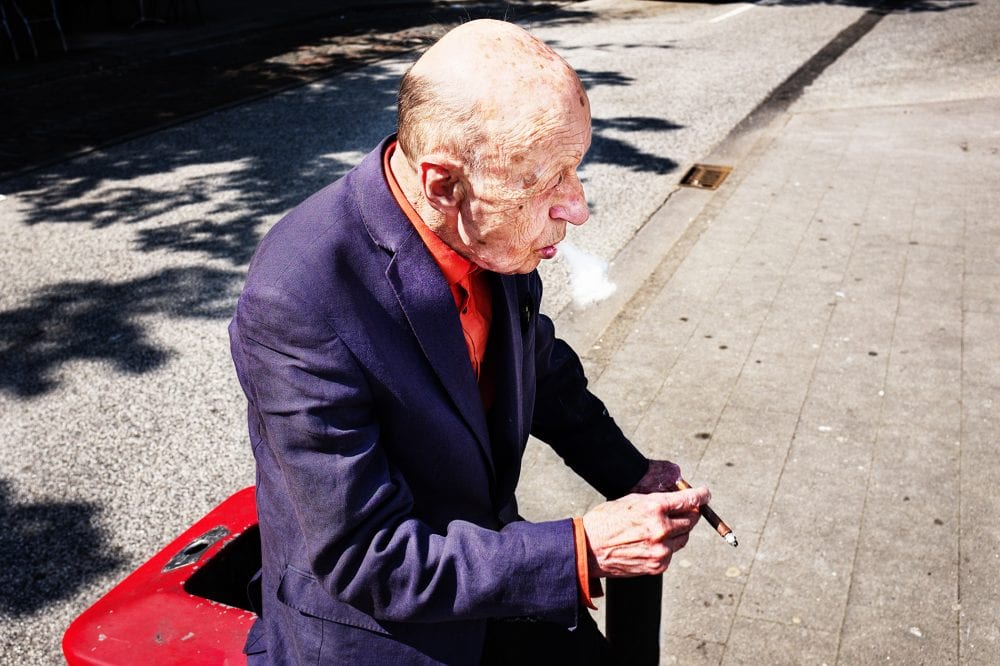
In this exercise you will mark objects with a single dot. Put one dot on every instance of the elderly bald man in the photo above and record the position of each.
(394, 359)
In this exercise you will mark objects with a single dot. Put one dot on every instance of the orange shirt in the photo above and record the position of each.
(473, 299)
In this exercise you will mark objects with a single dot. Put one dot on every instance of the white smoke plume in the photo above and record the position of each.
(588, 275)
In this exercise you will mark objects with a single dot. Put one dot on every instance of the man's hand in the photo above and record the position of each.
(661, 476)
(637, 534)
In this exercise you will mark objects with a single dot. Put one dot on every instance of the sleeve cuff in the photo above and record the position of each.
(590, 588)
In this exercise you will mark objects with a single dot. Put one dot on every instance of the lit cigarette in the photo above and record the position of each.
(712, 517)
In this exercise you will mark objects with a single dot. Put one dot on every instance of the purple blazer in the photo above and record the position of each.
(385, 492)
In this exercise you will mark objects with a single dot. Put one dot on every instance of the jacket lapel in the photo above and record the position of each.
(426, 300)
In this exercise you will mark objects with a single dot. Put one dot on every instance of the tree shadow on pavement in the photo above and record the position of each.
(607, 149)
(608, 145)
(143, 81)
(48, 551)
(98, 321)
(207, 187)
(208, 190)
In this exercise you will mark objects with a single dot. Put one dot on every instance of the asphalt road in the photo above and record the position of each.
(117, 82)
(123, 419)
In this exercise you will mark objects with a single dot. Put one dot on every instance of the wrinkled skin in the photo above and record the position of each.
(511, 227)
(509, 213)
(638, 534)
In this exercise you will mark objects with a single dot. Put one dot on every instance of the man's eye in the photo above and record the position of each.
(557, 182)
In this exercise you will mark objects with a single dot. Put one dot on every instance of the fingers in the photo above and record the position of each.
(680, 523)
(663, 551)
(639, 533)
(684, 500)
(660, 555)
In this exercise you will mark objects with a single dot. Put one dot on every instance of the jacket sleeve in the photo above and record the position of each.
(354, 510)
(575, 423)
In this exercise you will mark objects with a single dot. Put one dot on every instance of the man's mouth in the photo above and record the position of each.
(548, 252)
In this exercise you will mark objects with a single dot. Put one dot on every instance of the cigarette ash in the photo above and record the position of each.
(588, 275)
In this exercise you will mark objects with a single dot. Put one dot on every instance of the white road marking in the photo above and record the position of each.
(731, 13)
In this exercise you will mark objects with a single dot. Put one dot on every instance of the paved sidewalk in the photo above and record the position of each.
(823, 355)
(840, 316)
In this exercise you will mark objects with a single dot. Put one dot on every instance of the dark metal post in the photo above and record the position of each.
(632, 619)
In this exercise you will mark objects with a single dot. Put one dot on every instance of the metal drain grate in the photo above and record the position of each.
(706, 176)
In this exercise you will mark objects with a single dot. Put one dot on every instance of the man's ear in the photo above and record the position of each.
(442, 186)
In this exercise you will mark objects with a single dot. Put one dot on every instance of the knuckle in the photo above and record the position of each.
(660, 552)
(659, 532)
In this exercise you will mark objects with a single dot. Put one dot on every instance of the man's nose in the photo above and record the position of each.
(572, 203)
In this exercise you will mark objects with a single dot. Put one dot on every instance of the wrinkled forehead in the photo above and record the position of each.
(546, 144)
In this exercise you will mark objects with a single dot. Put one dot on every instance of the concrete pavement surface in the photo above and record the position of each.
(815, 340)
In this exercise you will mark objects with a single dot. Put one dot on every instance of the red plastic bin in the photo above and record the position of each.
(187, 605)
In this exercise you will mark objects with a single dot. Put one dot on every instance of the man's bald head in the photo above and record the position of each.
(493, 125)
(481, 91)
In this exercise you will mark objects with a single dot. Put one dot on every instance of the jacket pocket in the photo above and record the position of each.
(256, 642)
(303, 592)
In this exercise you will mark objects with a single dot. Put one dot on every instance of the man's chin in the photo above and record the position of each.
(527, 264)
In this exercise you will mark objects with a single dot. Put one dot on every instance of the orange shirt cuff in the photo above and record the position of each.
(590, 588)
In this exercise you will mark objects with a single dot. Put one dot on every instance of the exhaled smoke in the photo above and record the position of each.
(588, 275)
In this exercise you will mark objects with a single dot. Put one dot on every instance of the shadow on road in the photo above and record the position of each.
(140, 82)
(98, 321)
(207, 190)
(606, 149)
(48, 551)
(204, 188)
